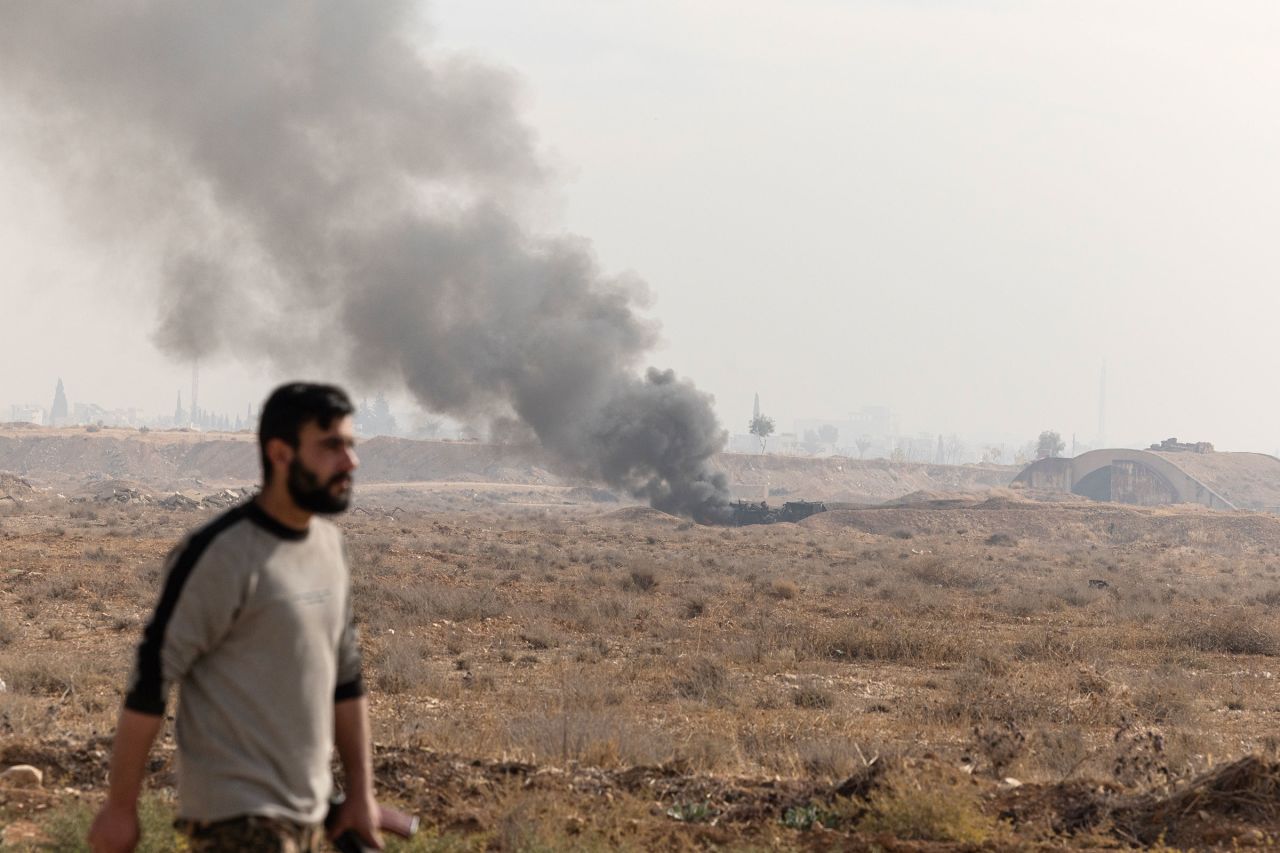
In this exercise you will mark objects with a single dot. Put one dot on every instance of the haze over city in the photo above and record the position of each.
(956, 211)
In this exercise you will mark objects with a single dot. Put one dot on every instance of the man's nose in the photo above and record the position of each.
(350, 461)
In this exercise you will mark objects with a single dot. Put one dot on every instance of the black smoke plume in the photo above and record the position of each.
(326, 191)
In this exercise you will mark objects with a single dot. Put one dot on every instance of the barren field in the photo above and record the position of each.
(551, 672)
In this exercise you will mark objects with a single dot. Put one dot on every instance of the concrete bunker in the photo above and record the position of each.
(1173, 474)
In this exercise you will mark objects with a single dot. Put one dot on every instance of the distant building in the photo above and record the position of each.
(92, 413)
(869, 432)
(26, 415)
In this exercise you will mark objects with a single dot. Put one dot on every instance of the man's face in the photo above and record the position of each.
(320, 471)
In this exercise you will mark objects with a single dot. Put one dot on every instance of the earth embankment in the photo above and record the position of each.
(165, 458)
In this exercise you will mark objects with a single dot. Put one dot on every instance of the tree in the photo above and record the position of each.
(761, 427)
(828, 433)
(992, 454)
(1049, 445)
(863, 443)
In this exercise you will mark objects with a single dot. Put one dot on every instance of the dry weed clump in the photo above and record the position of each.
(930, 807)
(600, 738)
(1165, 696)
(895, 640)
(1061, 752)
(989, 690)
(38, 675)
(702, 679)
(943, 572)
(813, 696)
(783, 589)
(1232, 633)
(9, 630)
(401, 665)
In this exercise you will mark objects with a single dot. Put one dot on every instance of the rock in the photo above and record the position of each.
(22, 776)
(1010, 782)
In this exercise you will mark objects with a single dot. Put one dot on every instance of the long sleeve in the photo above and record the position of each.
(350, 679)
(198, 603)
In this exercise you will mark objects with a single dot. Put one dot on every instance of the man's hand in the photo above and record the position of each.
(358, 814)
(114, 830)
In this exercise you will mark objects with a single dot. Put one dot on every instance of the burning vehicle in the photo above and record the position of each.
(751, 512)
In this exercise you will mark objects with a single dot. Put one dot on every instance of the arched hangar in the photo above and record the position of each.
(1160, 477)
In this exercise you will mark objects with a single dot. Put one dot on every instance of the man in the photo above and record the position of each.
(254, 624)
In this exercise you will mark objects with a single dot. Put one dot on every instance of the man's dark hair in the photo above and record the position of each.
(291, 406)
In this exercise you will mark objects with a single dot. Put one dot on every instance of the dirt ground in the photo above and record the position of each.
(553, 672)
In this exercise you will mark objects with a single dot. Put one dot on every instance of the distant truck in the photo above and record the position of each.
(753, 512)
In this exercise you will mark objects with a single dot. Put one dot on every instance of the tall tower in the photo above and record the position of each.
(58, 414)
(755, 411)
(1102, 406)
(195, 392)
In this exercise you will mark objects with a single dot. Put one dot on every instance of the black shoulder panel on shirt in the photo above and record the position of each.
(147, 695)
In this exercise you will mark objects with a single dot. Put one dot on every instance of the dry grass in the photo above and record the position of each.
(551, 635)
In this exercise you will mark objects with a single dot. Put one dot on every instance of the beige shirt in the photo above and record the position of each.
(254, 625)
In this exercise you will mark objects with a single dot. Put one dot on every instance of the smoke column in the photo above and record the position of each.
(325, 192)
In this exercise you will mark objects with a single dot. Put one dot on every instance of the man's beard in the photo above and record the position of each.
(308, 493)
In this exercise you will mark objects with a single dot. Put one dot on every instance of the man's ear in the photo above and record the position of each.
(280, 453)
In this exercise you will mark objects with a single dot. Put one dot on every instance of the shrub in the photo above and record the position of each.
(929, 811)
(539, 637)
(642, 579)
(598, 738)
(703, 679)
(813, 697)
(783, 590)
(8, 631)
(937, 571)
(890, 640)
(1232, 634)
(400, 666)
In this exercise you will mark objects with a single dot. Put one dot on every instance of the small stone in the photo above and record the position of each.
(1010, 782)
(22, 776)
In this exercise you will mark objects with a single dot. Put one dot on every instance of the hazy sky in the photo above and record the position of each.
(954, 209)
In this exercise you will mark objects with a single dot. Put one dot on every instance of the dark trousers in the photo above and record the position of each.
(251, 834)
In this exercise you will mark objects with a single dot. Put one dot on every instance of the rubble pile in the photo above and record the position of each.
(226, 498)
(218, 500)
(127, 493)
(115, 492)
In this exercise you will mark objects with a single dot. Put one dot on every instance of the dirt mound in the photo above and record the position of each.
(838, 478)
(1245, 792)
(1226, 804)
(590, 494)
(641, 514)
(1077, 524)
(396, 460)
(936, 500)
